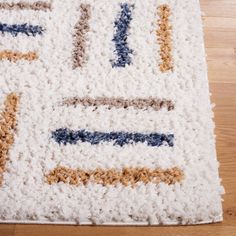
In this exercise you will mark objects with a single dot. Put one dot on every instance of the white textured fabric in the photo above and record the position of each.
(25, 196)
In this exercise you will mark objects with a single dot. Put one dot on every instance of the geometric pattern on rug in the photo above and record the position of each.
(110, 109)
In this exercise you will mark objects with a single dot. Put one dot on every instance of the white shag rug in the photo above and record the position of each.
(105, 116)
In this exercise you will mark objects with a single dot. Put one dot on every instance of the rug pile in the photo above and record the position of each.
(105, 114)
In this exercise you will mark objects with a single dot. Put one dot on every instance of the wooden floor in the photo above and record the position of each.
(220, 37)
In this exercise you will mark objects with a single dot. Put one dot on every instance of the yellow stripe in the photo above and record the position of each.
(128, 176)
(7, 127)
(164, 34)
(15, 56)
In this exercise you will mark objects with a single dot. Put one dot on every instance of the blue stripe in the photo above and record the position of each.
(67, 136)
(14, 30)
(120, 38)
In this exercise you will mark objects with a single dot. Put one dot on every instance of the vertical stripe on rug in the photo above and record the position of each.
(122, 24)
(81, 29)
(164, 35)
(8, 124)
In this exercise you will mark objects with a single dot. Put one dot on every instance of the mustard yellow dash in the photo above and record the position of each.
(127, 176)
(164, 35)
(16, 56)
(8, 124)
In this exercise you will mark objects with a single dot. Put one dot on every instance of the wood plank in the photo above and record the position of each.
(221, 64)
(221, 72)
(209, 230)
(219, 8)
(220, 39)
(226, 135)
(219, 75)
(220, 23)
(224, 95)
(224, 55)
(7, 230)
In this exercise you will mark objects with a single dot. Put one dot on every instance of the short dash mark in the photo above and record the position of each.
(36, 6)
(66, 136)
(16, 56)
(126, 176)
(138, 103)
(8, 125)
(27, 29)
(164, 37)
(122, 24)
(81, 29)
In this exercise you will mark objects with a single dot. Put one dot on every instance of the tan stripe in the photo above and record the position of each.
(128, 176)
(15, 56)
(138, 103)
(36, 6)
(164, 34)
(81, 29)
(7, 129)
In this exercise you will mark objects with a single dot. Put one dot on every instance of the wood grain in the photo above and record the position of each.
(220, 39)
(217, 230)
(7, 230)
(219, 8)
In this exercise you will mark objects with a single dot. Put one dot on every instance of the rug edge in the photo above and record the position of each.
(218, 219)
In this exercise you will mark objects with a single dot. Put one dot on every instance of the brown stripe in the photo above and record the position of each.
(164, 34)
(36, 6)
(7, 129)
(138, 103)
(128, 176)
(15, 56)
(81, 29)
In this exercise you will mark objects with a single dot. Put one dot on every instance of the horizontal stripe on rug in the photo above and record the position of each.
(27, 29)
(138, 103)
(126, 177)
(15, 56)
(36, 6)
(67, 136)
(8, 124)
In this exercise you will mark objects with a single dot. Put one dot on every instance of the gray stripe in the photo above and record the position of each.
(81, 29)
(36, 6)
(139, 103)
